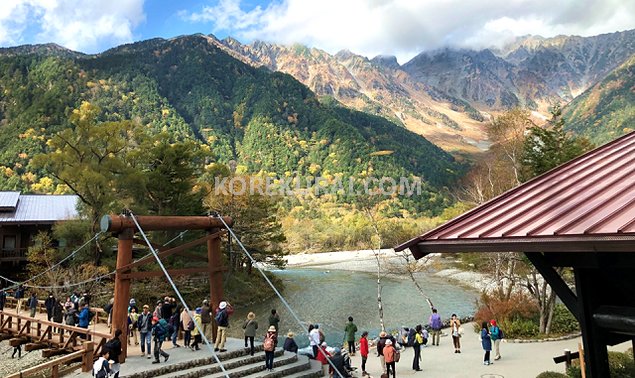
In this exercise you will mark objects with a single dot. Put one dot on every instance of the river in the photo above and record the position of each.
(330, 297)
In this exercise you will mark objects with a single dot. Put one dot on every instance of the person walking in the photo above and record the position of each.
(195, 331)
(323, 356)
(349, 332)
(206, 318)
(133, 318)
(363, 350)
(175, 321)
(188, 326)
(455, 327)
(160, 334)
(33, 304)
(435, 326)
(84, 316)
(58, 314)
(3, 299)
(495, 334)
(49, 303)
(19, 296)
(274, 319)
(383, 339)
(114, 346)
(389, 356)
(222, 320)
(416, 347)
(290, 344)
(269, 345)
(486, 342)
(144, 324)
(250, 326)
(314, 339)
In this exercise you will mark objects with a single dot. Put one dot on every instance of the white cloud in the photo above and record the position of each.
(84, 25)
(13, 15)
(406, 27)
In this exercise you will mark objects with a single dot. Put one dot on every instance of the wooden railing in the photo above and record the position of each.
(100, 315)
(86, 354)
(57, 337)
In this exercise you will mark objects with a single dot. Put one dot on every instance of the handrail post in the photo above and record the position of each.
(87, 357)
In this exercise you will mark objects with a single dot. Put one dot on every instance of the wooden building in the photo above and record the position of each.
(22, 216)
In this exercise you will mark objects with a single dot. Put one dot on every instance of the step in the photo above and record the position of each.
(301, 367)
(313, 370)
(235, 367)
(159, 370)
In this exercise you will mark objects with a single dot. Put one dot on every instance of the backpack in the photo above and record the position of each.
(103, 372)
(411, 337)
(269, 343)
(397, 355)
(435, 322)
(91, 315)
(161, 329)
(190, 325)
(219, 316)
(501, 335)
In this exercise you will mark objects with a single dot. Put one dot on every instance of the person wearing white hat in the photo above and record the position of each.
(389, 356)
(222, 320)
(269, 344)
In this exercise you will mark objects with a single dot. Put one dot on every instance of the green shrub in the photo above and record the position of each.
(574, 371)
(621, 365)
(551, 374)
(520, 329)
(563, 321)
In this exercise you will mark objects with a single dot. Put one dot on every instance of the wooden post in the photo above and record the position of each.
(122, 290)
(567, 359)
(582, 364)
(215, 265)
(87, 357)
(55, 373)
(589, 288)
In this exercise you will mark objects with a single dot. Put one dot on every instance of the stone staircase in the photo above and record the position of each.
(237, 363)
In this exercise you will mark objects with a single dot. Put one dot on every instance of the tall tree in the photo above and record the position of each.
(507, 132)
(246, 199)
(550, 146)
(93, 159)
(90, 159)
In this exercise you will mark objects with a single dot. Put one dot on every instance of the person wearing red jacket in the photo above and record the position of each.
(322, 356)
(363, 350)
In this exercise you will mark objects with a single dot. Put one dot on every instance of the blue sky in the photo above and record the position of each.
(368, 27)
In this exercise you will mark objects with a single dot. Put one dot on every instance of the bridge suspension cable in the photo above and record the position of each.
(284, 301)
(178, 293)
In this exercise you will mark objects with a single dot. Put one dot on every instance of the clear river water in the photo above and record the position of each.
(328, 298)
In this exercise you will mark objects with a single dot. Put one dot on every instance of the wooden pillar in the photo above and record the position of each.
(87, 357)
(588, 289)
(122, 290)
(215, 265)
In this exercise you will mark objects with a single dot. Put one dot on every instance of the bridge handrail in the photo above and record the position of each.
(99, 312)
(85, 353)
(79, 330)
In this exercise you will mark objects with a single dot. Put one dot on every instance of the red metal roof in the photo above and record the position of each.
(586, 204)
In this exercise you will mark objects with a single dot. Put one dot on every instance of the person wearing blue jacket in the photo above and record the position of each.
(486, 342)
(84, 316)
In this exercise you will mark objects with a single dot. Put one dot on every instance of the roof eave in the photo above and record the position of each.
(609, 243)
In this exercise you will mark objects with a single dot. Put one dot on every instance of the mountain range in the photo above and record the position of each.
(446, 95)
(266, 121)
(278, 109)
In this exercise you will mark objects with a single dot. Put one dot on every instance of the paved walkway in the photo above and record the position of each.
(518, 360)
(135, 363)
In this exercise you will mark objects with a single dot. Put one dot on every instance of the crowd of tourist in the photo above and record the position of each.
(149, 328)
